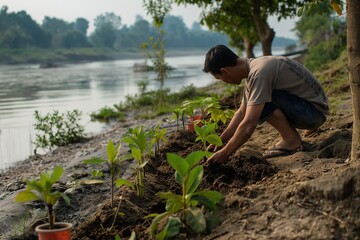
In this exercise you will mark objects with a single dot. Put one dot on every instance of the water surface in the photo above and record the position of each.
(87, 87)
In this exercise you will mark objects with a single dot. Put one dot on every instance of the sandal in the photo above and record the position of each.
(277, 152)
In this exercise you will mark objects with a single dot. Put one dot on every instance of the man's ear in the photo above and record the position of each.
(224, 71)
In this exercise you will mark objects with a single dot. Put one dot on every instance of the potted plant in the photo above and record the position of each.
(42, 190)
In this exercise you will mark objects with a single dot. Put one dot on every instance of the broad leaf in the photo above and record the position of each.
(194, 179)
(178, 163)
(195, 157)
(171, 229)
(207, 198)
(214, 139)
(25, 196)
(156, 220)
(120, 181)
(178, 178)
(56, 174)
(111, 151)
(195, 219)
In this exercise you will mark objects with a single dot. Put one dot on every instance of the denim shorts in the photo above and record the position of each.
(300, 113)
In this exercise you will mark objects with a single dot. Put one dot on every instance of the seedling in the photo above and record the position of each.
(160, 136)
(114, 159)
(41, 190)
(206, 134)
(140, 144)
(185, 209)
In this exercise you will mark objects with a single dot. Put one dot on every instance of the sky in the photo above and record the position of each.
(69, 10)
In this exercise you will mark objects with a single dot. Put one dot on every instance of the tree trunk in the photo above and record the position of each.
(353, 50)
(266, 34)
(249, 48)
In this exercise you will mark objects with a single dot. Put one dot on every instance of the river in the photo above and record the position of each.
(87, 87)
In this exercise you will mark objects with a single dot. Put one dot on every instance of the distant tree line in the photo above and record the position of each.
(18, 31)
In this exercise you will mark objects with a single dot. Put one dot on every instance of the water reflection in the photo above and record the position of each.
(87, 87)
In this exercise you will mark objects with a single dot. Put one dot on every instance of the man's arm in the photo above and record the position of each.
(234, 123)
(243, 132)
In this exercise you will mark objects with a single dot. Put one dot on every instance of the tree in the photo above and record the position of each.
(353, 51)
(353, 48)
(107, 26)
(256, 11)
(81, 25)
(108, 19)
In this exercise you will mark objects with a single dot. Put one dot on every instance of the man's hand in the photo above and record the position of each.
(218, 157)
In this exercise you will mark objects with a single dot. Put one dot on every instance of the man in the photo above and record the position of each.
(277, 90)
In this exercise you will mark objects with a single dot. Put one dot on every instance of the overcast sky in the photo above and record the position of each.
(69, 10)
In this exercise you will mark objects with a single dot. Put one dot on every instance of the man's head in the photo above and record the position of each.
(219, 57)
(225, 65)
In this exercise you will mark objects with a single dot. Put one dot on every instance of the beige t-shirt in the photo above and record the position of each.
(270, 73)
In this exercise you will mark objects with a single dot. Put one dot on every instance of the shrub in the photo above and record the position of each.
(58, 129)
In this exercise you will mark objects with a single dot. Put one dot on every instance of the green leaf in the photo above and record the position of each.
(178, 163)
(25, 196)
(117, 237)
(56, 174)
(136, 153)
(171, 229)
(120, 182)
(195, 219)
(111, 151)
(194, 179)
(95, 161)
(178, 178)
(195, 157)
(214, 139)
(155, 222)
(208, 198)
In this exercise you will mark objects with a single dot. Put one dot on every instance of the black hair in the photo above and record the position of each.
(219, 57)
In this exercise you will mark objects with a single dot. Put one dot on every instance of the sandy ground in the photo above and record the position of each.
(312, 194)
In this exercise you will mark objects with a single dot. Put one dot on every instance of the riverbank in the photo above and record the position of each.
(286, 197)
(312, 194)
(58, 57)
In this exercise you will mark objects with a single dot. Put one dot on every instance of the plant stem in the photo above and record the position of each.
(51, 216)
(117, 212)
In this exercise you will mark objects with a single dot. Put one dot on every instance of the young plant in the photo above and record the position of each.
(185, 209)
(177, 113)
(160, 136)
(206, 134)
(140, 144)
(42, 190)
(58, 129)
(113, 161)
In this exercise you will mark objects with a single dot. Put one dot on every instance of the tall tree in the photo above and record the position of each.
(81, 25)
(257, 11)
(353, 48)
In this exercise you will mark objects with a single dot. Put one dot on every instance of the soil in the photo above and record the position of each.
(311, 194)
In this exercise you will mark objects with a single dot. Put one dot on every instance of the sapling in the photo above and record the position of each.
(42, 190)
(185, 209)
(114, 159)
(160, 136)
(140, 144)
(206, 134)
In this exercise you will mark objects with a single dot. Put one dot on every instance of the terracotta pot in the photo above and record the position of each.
(61, 231)
(192, 120)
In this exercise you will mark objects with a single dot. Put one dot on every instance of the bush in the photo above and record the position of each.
(106, 114)
(58, 129)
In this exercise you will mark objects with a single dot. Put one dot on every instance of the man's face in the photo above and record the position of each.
(227, 75)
